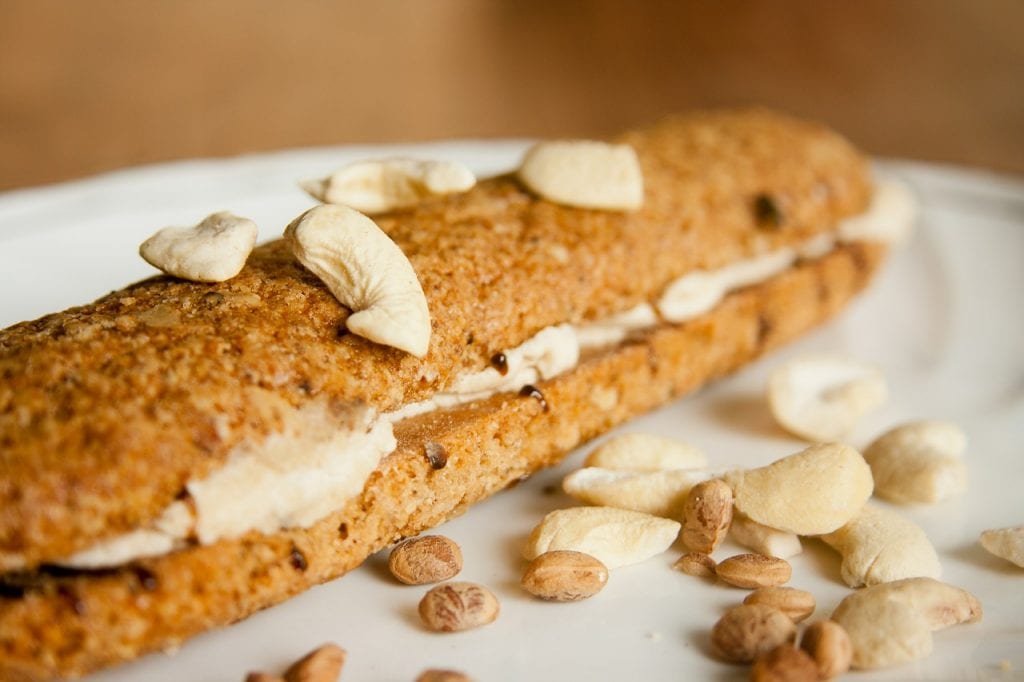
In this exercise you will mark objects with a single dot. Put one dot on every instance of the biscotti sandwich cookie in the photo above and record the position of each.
(181, 454)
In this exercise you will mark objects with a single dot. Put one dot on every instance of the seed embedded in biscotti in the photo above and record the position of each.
(453, 607)
(427, 559)
(564, 575)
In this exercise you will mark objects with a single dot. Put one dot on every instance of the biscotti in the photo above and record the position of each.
(116, 417)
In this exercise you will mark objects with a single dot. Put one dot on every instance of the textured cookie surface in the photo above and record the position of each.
(107, 410)
(71, 623)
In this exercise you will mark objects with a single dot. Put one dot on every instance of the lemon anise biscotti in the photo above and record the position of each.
(179, 455)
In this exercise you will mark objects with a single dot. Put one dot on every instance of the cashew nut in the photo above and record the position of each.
(812, 492)
(584, 173)
(387, 184)
(880, 546)
(367, 272)
(645, 452)
(1006, 543)
(763, 539)
(616, 537)
(821, 397)
(892, 623)
(215, 250)
(919, 462)
(661, 493)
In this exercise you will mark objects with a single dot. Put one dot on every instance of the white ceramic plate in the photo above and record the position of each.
(944, 320)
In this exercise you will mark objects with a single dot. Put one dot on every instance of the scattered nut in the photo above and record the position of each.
(381, 185)
(616, 537)
(1006, 543)
(433, 675)
(320, 665)
(367, 272)
(707, 515)
(428, 559)
(879, 546)
(763, 539)
(661, 493)
(695, 563)
(584, 173)
(784, 663)
(892, 623)
(456, 606)
(645, 452)
(821, 397)
(745, 632)
(797, 604)
(919, 462)
(754, 570)
(828, 644)
(563, 575)
(812, 492)
(941, 604)
(215, 250)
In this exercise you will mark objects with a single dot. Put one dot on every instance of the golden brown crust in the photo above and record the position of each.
(107, 410)
(73, 624)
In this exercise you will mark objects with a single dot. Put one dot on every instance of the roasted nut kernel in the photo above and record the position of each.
(428, 559)
(584, 173)
(695, 563)
(784, 663)
(919, 462)
(745, 632)
(453, 607)
(564, 575)
(320, 665)
(797, 604)
(828, 644)
(754, 570)
(707, 515)
(433, 675)
(1005, 543)
(215, 250)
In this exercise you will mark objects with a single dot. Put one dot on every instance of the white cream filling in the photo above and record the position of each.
(295, 478)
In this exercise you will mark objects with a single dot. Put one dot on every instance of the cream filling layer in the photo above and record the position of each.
(296, 477)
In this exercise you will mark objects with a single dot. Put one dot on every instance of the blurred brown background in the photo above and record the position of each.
(93, 85)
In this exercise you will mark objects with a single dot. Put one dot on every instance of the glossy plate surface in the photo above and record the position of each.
(945, 321)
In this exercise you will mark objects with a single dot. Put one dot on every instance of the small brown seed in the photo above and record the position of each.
(696, 563)
(754, 570)
(707, 515)
(784, 663)
(429, 559)
(434, 675)
(745, 632)
(797, 604)
(830, 647)
(319, 665)
(458, 606)
(564, 575)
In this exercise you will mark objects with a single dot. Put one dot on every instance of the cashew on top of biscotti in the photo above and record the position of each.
(367, 272)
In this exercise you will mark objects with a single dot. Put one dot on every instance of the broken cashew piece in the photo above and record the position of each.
(763, 539)
(919, 462)
(616, 537)
(879, 546)
(891, 623)
(377, 186)
(645, 452)
(1005, 543)
(821, 397)
(660, 493)
(812, 492)
(367, 272)
(584, 173)
(215, 250)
